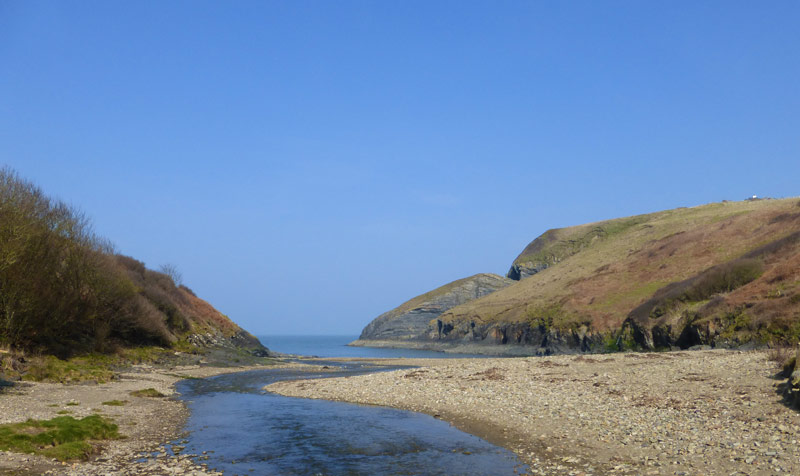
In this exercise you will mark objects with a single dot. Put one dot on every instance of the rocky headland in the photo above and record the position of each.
(410, 321)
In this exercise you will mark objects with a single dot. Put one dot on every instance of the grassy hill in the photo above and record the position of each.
(65, 292)
(723, 274)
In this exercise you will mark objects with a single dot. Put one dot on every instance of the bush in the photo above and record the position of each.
(722, 278)
(62, 289)
(718, 279)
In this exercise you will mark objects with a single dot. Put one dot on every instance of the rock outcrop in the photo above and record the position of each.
(411, 319)
(537, 339)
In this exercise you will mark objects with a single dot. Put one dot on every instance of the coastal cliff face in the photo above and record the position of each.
(723, 275)
(411, 319)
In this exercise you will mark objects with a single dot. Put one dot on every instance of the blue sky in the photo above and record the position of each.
(310, 165)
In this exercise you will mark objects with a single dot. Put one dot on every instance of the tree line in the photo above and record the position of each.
(63, 289)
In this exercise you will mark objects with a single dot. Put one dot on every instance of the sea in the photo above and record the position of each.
(336, 346)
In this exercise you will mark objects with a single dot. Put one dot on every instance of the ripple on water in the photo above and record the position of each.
(249, 432)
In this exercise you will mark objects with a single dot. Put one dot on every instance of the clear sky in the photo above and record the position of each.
(310, 165)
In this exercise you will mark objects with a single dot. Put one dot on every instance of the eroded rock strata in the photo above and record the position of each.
(411, 319)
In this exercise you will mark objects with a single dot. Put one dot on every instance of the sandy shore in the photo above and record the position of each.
(146, 422)
(682, 413)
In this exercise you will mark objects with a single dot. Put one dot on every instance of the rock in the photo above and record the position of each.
(700, 347)
(410, 320)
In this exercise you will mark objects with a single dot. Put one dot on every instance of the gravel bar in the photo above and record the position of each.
(673, 413)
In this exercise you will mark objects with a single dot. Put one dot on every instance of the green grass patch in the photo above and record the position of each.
(620, 341)
(147, 392)
(63, 412)
(187, 347)
(80, 369)
(144, 355)
(735, 322)
(543, 316)
(97, 367)
(63, 438)
(73, 404)
(115, 403)
(611, 343)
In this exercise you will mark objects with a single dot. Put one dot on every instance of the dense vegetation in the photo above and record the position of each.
(64, 291)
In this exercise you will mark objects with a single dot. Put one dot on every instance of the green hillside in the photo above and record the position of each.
(723, 274)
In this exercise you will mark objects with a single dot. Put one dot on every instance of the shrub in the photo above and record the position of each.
(64, 292)
(186, 288)
(723, 278)
(172, 271)
(718, 279)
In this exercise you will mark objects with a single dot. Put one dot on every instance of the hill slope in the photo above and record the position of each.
(63, 290)
(722, 274)
(410, 320)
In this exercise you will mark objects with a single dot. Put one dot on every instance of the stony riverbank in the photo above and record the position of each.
(147, 422)
(681, 413)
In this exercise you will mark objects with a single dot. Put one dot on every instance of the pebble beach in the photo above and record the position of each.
(673, 413)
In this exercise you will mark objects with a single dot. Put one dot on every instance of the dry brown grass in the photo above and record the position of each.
(784, 358)
(606, 280)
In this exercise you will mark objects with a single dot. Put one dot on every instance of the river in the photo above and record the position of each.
(246, 431)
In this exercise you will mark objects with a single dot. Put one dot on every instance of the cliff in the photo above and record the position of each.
(410, 320)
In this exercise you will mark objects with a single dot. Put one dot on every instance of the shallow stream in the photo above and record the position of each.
(247, 431)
